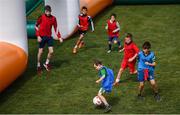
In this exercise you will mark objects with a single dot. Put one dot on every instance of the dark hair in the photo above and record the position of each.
(129, 35)
(48, 8)
(97, 62)
(146, 45)
(84, 8)
(113, 14)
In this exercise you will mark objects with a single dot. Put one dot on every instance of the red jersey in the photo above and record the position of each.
(84, 22)
(45, 24)
(130, 50)
(111, 27)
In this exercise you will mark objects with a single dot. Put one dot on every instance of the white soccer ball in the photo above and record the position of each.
(97, 101)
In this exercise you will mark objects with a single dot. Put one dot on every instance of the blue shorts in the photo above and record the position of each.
(111, 39)
(102, 91)
(45, 39)
(141, 75)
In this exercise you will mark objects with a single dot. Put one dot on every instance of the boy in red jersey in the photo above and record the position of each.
(130, 53)
(83, 25)
(43, 32)
(113, 29)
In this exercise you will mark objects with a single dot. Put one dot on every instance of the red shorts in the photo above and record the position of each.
(126, 64)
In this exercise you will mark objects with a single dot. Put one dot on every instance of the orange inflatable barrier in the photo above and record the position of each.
(95, 6)
(13, 61)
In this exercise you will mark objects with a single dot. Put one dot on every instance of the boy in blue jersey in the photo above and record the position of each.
(107, 79)
(146, 66)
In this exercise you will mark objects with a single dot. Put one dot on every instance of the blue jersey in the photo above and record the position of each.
(142, 58)
(107, 82)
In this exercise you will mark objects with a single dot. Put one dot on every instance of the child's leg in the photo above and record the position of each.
(103, 99)
(154, 86)
(116, 41)
(81, 44)
(155, 89)
(110, 43)
(141, 87)
(141, 82)
(40, 52)
(132, 67)
(121, 70)
(79, 40)
(77, 43)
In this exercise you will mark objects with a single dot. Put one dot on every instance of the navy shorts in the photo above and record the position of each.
(46, 40)
(111, 39)
(82, 32)
(141, 75)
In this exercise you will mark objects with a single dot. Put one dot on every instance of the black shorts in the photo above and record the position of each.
(82, 32)
(45, 39)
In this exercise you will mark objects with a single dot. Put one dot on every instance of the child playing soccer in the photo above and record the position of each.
(83, 25)
(146, 66)
(106, 78)
(43, 32)
(129, 60)
(113, 29)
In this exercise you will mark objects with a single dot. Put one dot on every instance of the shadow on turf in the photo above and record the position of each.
(16, 85)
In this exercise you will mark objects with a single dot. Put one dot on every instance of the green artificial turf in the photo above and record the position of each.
(70, 86)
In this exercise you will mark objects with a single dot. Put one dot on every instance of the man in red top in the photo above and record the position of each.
(129, 60)
(113, 29)
(83, 25)
(43, 32)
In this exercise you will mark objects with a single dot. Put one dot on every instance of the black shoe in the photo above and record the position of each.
(157, 97)
(107, 109)
(140, 97)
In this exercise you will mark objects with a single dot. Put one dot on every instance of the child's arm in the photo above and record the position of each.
(106, 27)
(133, 58)
(150, 64)
(118, 27)
(100, 79)
(153, 62)
(57, 31)
(136, 49)
(37, 29)
(91, 22)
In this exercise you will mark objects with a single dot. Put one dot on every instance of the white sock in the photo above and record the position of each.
(75, 46)
(38, 64)
(47, 61)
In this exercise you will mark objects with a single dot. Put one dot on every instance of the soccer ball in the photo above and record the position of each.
(97, 101)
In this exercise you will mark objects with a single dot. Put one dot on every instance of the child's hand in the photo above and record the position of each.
(114, 31)
(60, 40)
(130, 59)
(147, 63)
(97, 81)
(39, 39)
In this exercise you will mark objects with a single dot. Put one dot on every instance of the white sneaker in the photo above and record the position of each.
(109, 51)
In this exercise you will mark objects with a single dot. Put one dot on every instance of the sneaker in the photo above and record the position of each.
(47, 66)
(140, 97)
(39, 70)
(107, 109)
(109, 51)
(157, 97)
(74, 50)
